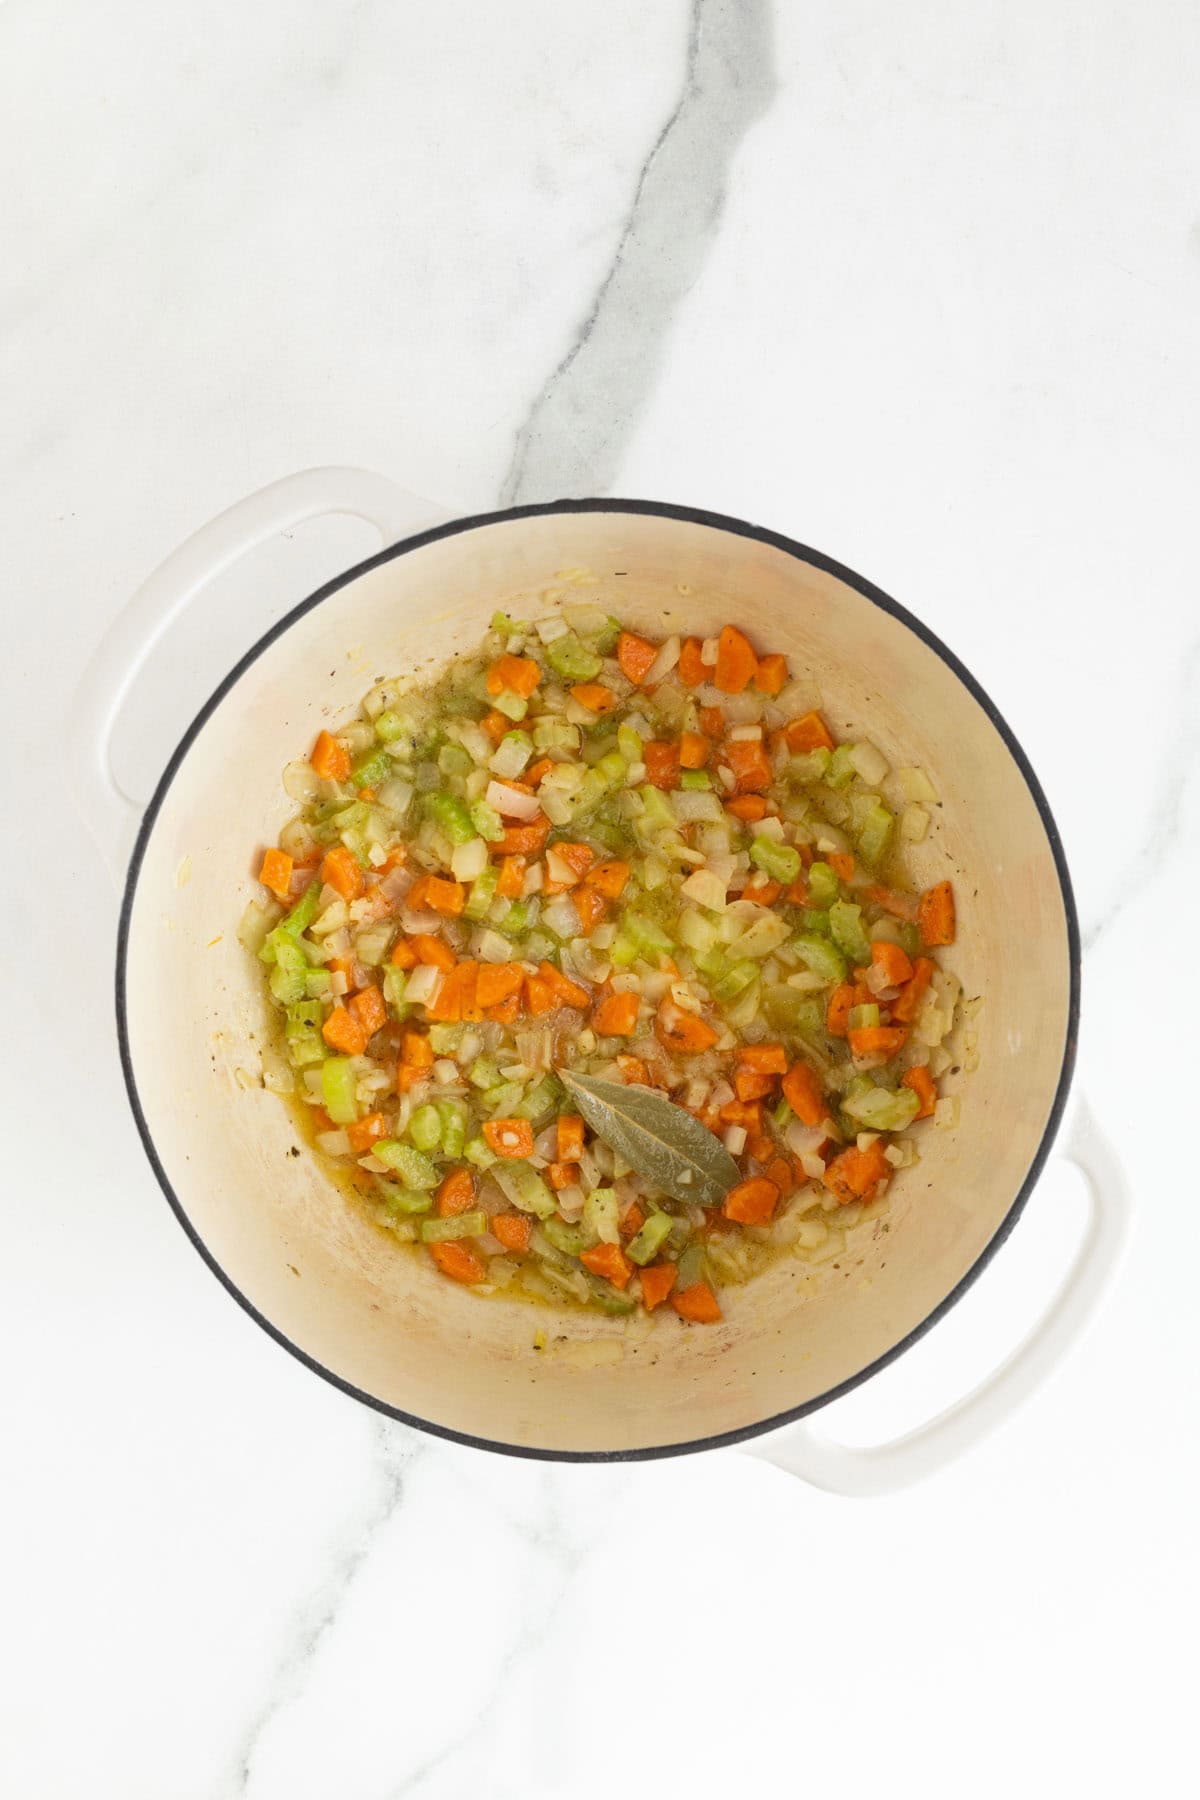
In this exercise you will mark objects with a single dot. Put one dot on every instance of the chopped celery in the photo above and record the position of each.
(460, 1225)
(445, 1039)
(648, 937)
(695, 781)
(524, 1187)
(734, 983)
(513, 706)
(782, 1116)
(512, 921)
(304, 911)
(451, 816)
(845, 922)
(692, 1268)
(658, 811)
(392, 727)
(571, 659)
(338, 1082)
(711, 964)
(483, 1073)
(810, 767)
(605, 639)
(541, 1098)
(629, 743)
(453, 1116)
(789, 1010)
(407, 1200)
(696, 933)
(507, 626)
(287, 980)
(570, 1239)
(882, 1109)
(608, 1298)
(487, 821)
(478, 1151)
(863, 1018)
(305, 1048)
(600, 1216)
(394, 982)
(453, 760)
(483, 892)
(875, 834)
(555, 734)
(317, 984)
(501, 1100)
(841, 767)
(301, 1017)
(823, 886)
(780, 861)
(650, 1239)
(819, 955)
(512, 754)
(412, 1165)
(372, 769)
(623, 951)
(910, 940)
(813, 921)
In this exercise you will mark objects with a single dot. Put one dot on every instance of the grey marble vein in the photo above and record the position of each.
(397, 1450)
(576, 429)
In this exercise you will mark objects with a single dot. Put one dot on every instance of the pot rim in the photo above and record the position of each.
(690, 515)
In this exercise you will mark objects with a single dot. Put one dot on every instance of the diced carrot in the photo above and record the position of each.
(837, 1013)
(697, 1303)
(365, 1132)
(921, 1082)
(747, 1113)
(608, 878)
(662, 765)
(523, 840)
(771, 674)
(562, 1174)
(341, 870)
(510, 884)
(590, 905)
(693, 750)
(797, 894)
(458, 1261)
(842, 864)
(935, 915)
(514, 1229)
(634, 656)
(496, 981)
(347, 966)
(342, 1032)
(749, 807)
(509, 1138)
(496, 724)
(808, 733)
(539, 996)
(564, 989)
(677, 1029)
(608, 1261)
(632, 1220)
(368, 793)
(901, 906)
(750, 764)
(432, 950)
(330, 759)
(712, 721)
(456, 1193)
(737, 664)
(761, 1147)
(469, 1009)
(804, 1094)
(513, 674)
(416, 1051)
(657, 1282)
(539, 769)
(877, 1040)
(764, 893)
(446, 1006)
(854, 1173)
(276, 872)
(779, 1170)
(569, 1137)
(595, 696)
(616, 1015)
(893, 961)
(403, 954)
(369, 1009)
(578, 857)
(508, 1011)
(445, 897)
(751, 1202)
(907, 1002)
(748, 1084)
(768, 1059)
(690, 668)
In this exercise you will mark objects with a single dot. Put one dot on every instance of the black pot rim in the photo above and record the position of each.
(738, 528)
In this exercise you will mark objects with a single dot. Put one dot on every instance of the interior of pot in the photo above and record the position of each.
(379, 1318)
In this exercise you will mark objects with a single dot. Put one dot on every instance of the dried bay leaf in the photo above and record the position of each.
(663, 1143)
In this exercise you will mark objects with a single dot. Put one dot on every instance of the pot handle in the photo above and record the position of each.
(883, 1468)
(110, 814)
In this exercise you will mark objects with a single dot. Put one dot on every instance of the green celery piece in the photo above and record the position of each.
(650, 1239)
(479, 1152)
(412, 1165)
(823, 886)
(454, 1127)
(809, 767)
(780, 861)
(451, 816)
(352, 817)
(483, 892)
(304, 911)
(910, 940)
(371, 769)
(507, 626)
(302, 1016)
(787, 1009)
(841, 769)
(483, 1073)
(487, 822)
(658, 810)
(875, 835)
(570, 1239)
(338, 1082)
(608, 1298)
(863, 1018)
(734, 982)
(692, 1268)
(845, 922)
(813, 921)
(501, 1100)
(318, 984)
(571, 659)
(623, 951)
(425, 1128)
(513, 921)
(453, 760)
(600, 1212)
(541, 1098)
(646, 935)
(555, 734)
(407, 1200)
(629, 743)
(305, 1049)
(460, 1225)
(695, 781)
(819, 955)
(612, 769)
(711, 964)
(445, 1039)
(606, 640)
(513, 706)
(781, 1118)
(398, 729)
(590, 792)
(882, 1109)
(287, 981)
(394, 982)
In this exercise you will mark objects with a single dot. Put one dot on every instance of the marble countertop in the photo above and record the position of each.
(914, 284)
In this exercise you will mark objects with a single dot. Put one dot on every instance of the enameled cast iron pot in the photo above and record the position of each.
(331, 1287)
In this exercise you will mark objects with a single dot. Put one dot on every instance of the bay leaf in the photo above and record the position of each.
(666, 1146)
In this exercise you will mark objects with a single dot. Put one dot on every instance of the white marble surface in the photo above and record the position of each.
(916, 283)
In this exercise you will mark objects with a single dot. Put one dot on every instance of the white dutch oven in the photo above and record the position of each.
(380, 1323)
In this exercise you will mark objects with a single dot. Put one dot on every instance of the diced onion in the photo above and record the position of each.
(916, 785)
(946, 1112)
(708, 652)
(706, 889)
(735, 1139)
(469, 860)
(868, 762)
(664, 662)
(560, 916)
(423, 985)
(549, 629)
(914, 823)
(510, 802)
(745, 734)
(333, 1143)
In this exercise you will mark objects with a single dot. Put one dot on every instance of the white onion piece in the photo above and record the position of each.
(561, 917)
(664, 662)
(735, 1139)
(423, 985)
(469, 860)
(510, 802)
(708, 652)
(803, 1140)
